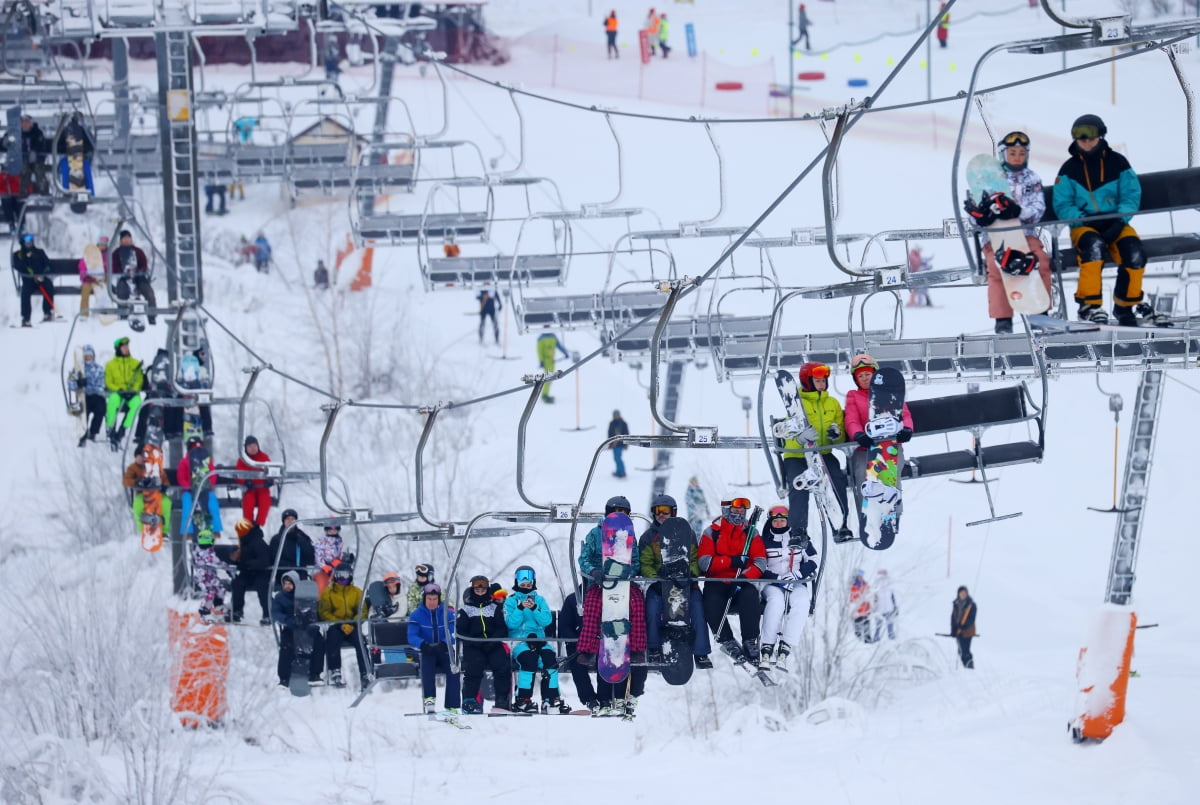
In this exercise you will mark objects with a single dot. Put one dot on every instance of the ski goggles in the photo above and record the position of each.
(657, 510)
(421, 570)
(524, 577)
(1017, 138)
(738, 503)
(779, 513)
(1085, 132)
(820, 372)
(27, 238)
(479, 583)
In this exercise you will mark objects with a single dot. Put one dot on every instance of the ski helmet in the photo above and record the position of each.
(525, 574)
(289, 513)
(243, 527)
(617, 503)
(204, 537)
(432, 589)
(478, 579)
(778, 511)
(194, 441)
(863, 361)
(664, 500)
(87, 350)
(390, 577)
(1088, 126)
(123, 341)
(809, 371)
(343, 574)
(336, 528)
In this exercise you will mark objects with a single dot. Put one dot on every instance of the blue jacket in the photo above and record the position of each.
(528, 623)
(283, 609)
(592, 557)
(1095, 183)
(262, 248)
(93, 373)
(431, 626)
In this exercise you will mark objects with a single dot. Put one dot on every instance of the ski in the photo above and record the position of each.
(449, 718)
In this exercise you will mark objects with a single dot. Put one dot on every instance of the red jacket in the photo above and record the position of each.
(722, 541)
(242, 464)
(184, 473)
(860, 600)
(858, 407)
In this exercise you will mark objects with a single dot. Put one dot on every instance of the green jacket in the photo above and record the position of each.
(650, 551)
(123, 373)
(822, 410)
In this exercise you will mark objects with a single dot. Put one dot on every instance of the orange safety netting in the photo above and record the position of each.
(199, 668)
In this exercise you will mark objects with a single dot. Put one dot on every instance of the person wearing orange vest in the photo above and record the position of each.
(610, 31)
(651, 29)
(943, 28)
(860, 607)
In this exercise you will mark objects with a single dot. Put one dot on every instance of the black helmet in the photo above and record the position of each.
(524, 573)
(424, 569)
(664, 500)
(1089, 120)
(289, 513)
(617, 502)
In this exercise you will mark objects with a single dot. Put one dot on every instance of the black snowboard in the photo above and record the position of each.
(14, 161)
(306, 615)
(675, 583)
(880, 516)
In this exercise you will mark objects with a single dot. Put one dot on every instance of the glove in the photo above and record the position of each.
(426, 648)
(1003, 207)
(738, 562)
(347, 628)
(596, 575)
(864, 441)
(789, 576)
(770, 574)
(833, 433)
(808, 569)
(982, 216)
(270, 482)
(163, 488)
(808, 434)
(904, 435)
(1109, 228)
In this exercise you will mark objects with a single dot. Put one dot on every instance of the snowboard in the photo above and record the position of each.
(1023, 287)
(678, 632)
(77, 383)
(152, 512)
(14, 157)
(617, 541)
(816, 478)
(306, 615)
(198, 460)
(880, 517)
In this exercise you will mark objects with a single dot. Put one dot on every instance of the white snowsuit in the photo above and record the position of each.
(794, 566)
(884, 610)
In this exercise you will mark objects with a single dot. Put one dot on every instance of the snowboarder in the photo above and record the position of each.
(917, 262)
(548, 346)
(731, 549)
(262, 253)
(215, 192)
(256, 497)
(132, 270)
(792, 563)
(662, 508)
(825, 419)
(431, 631)
(803, 22)
(527, 615)
(697, 506)
(321, 277)
(962, 625)
(327, 550)
(1025, 188)
(481, 618)
(884, 607)
(123, 378)
(1096, 180)
(422, 574)
(860, 606)
(383, 597)
(858, 407)
(342, 601)
(33, 267)
(35, 150)
(662, 35)
(139, 477)
(283, 612)
(75, 148)
(488, 305)
(94, 393)
(292, 546)
(254, 571)
(195, 464)
(206, 570)
(90, 280)
(610, 33)
(618, 427)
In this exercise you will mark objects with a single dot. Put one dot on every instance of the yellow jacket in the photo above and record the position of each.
(822, 410)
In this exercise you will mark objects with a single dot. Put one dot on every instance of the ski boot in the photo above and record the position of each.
(556, 704)
(1148, 318)
(471, 707)
(654, 656)
(734, 651)
(764, 657)
(596, 709)
(1093, 313)
(750, 647)
(626, 711)
(1004, 325)
(844, 534)
(429, 706)
(781, 656)
(335, 678)
(524, 704)
(263, 621)
(703, 662)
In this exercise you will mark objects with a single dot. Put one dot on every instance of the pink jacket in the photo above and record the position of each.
(857, 409)
(83, 272)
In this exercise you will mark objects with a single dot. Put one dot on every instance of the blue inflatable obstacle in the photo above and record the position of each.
(857, 82)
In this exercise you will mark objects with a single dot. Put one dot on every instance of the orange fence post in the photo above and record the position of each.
(199, 668)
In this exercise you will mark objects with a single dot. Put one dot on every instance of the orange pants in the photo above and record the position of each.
(1130, 260)
(998, 306)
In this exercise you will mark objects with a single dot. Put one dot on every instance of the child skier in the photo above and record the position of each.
(527, 615)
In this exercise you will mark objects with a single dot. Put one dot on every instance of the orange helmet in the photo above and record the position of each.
(243, 526)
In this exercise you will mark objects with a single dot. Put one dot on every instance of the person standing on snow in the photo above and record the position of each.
(792, 563)
(824, 424)
(1096, 180)
(618, 427)
(803, 23)
(943, 27)
(262, 253)
(918, 297)
(662, 36)
(697, 506)
(858, 406)
(1025, 188)
(488, 305)
(860, 607)
(610, 33)
(651, 29)
(885, 608)
(548, 346)
(962, 625)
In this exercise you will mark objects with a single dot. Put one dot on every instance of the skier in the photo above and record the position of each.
(610, 33)
(333, 69)
(94, 390)
(262, 253)
(962, 625)
(858, 407)
(824, 425)
(651, 29)
(792, 562)
(132, 270)
(321, 277)
(206, 569)
(860, 606)
(33, 267)
(89, 282)
(254, 571)
(527, 615)
(327, 549)
(618, 427)
(803, 24)
(140, 478)
(123, 380)
(215, 192)
(1025, 188)
(481, 618)
(662, 36)
(422, 575)
(488, 305)
(731, 549)
(918, 297)
(283, 612)
(884, 607)
(1096, 180)
(74, 142)
(662, 508)
(548, 346)
(431, 631)
(943, 27)
(195, 465)
(292, 547)
(256, 497)
(35, 150)
(697, 506)
(342, 601)
(383, 596)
